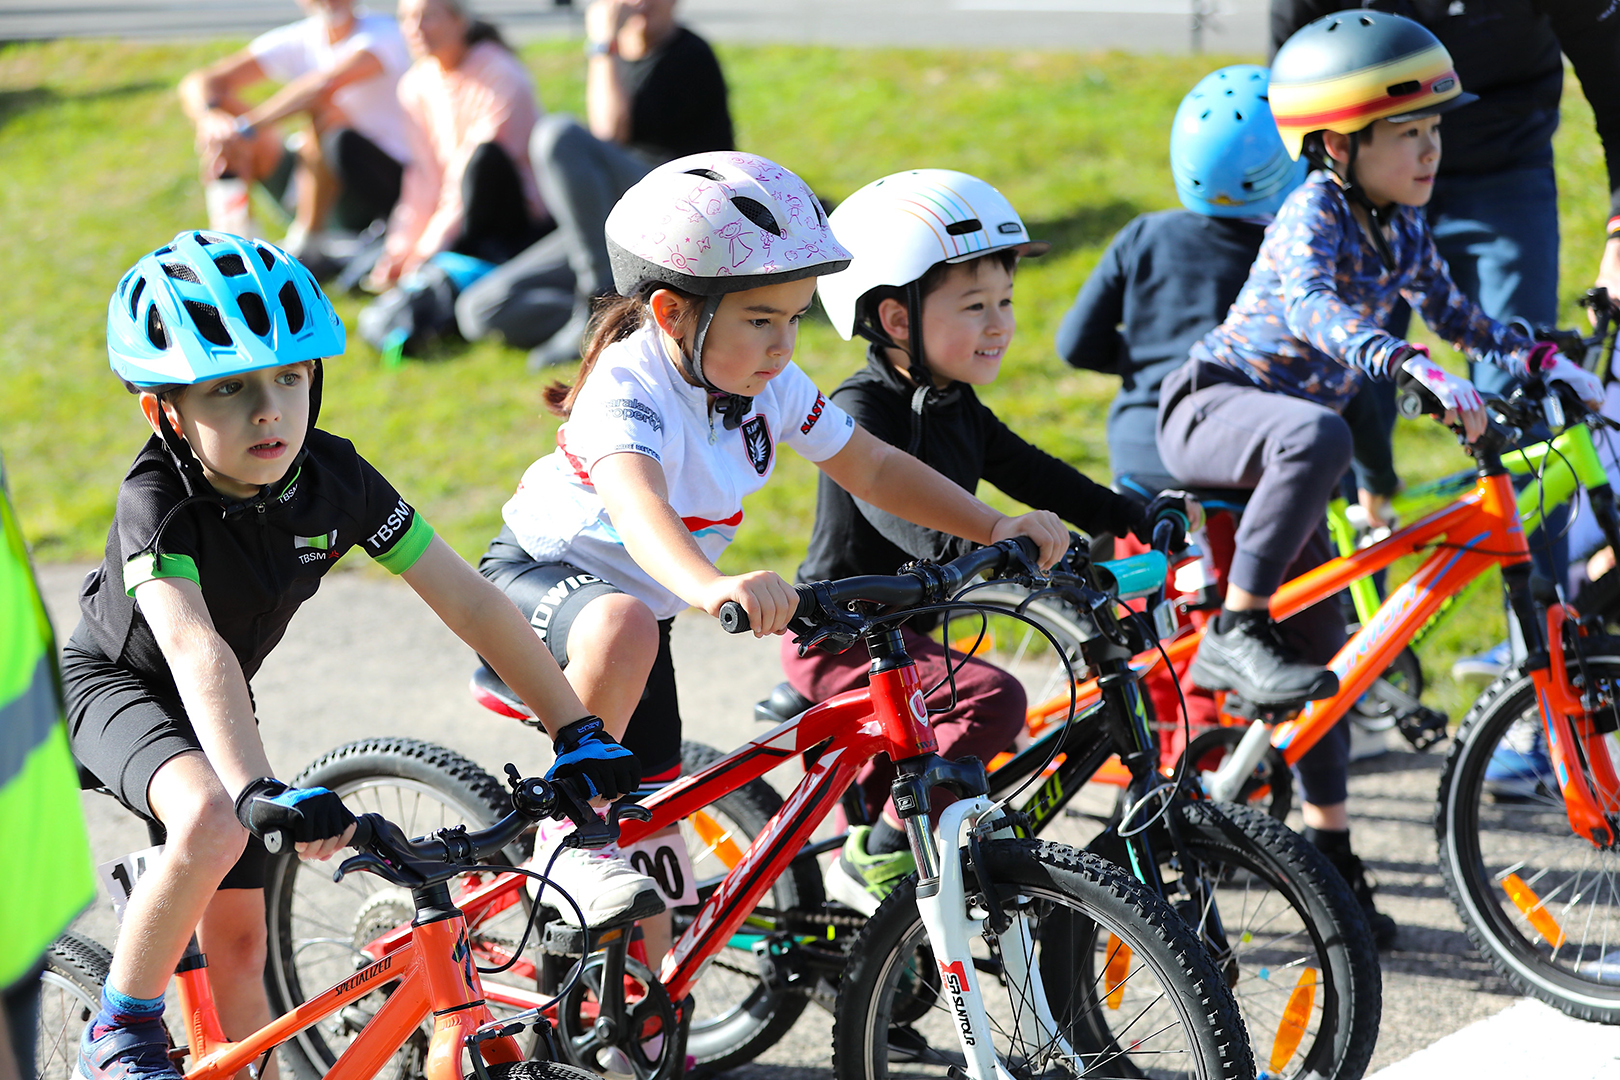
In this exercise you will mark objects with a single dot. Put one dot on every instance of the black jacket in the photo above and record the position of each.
(965, 441)
(1507, 52)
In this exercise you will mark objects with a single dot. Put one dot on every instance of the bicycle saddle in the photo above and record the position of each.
(783, 705)
(1215, 499)
(493, 694)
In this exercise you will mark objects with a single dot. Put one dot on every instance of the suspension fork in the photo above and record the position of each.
(1579, 751)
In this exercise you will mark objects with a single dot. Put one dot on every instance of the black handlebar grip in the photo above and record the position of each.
(733, 618)
(363, 831)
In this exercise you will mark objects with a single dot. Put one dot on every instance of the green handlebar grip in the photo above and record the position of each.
(1137, 576)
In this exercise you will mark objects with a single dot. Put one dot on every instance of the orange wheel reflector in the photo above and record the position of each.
(1117, 971)
(1525, 899)
(1296, 1017)
(966, 644)
(716, 839)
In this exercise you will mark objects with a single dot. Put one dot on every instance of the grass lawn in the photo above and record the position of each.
(98, 169)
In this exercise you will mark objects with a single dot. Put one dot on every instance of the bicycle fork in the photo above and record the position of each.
(942, 903)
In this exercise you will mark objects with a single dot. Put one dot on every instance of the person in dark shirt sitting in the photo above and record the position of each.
(934, 256)
(653, 92)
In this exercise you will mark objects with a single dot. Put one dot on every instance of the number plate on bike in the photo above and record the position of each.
(119, 876)
(665, 860)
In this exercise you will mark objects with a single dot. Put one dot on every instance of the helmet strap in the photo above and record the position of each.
(919, 359)
(731, 407)
(1376, 215)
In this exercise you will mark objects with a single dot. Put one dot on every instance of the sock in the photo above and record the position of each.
(121, 1010)
(885, 839)
(1226, 618)
(1329, 842)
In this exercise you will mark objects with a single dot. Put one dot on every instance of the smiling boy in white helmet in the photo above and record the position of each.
(934, 255)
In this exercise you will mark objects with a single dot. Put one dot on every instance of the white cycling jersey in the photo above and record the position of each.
(635, 401)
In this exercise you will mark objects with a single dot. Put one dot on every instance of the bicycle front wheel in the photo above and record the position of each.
(1539, 902)
(1130, 991)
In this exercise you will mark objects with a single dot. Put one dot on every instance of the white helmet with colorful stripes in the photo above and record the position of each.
(900, 226)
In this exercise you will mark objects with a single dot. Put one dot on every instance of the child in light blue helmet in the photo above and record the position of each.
(1168, 277)
(231, 514)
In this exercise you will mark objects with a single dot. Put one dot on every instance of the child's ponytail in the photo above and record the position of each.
(615, 318)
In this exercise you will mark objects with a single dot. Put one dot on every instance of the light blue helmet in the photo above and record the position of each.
(1225, 153)
(209, 304)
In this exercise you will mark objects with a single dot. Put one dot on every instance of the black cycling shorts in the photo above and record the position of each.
(551, 595)
(123, 730)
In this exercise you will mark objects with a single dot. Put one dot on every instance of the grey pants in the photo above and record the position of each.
(532, 297)
(1218, 430)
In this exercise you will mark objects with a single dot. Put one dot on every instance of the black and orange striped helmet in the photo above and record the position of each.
(1345, 70)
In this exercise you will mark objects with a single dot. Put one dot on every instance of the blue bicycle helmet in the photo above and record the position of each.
(1225, 153)
(209, 304)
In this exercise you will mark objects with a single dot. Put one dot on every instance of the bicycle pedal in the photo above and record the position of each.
(1422, 726)
(1243, 709)
(561, 939)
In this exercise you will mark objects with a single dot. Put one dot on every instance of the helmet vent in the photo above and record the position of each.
(265, 257)
(756, 211)
(209, 324)
(707, 174)
(1401, 89)
(231, 265)
(162, 251)
(203, 239)
(293, 305)
(135, 295)
(960, 228)
(253, 312)
(156, 332)
(182, 272)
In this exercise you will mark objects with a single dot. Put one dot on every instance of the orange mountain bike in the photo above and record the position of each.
(1536, 881)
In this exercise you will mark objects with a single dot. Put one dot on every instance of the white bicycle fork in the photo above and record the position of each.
(951, 927)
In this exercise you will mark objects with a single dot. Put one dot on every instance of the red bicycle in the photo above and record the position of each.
(1035, 957)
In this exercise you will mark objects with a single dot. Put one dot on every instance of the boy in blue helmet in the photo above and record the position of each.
(1168, 277)
(229, 517)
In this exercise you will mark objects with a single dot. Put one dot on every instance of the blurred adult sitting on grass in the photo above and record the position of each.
(653, 92)
(339, 67)
(470, 108)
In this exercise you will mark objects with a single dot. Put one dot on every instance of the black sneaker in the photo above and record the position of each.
(1349, 866)
(1249, 659)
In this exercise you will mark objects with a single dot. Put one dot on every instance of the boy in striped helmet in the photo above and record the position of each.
(1258, 403)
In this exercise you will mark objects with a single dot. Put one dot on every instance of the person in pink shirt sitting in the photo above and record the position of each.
(471, 107)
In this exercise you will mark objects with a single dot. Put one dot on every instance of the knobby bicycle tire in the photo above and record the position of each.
(536, 1070)
(890, 1006)
(1540, 903)
(1285, 910)
(70, 994)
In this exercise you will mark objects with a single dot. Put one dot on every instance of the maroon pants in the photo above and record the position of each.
(989, 712)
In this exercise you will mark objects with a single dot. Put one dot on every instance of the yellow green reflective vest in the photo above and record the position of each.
(44, 852)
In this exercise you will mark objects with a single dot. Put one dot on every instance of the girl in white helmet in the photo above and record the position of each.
(934, 256)
(685, 394)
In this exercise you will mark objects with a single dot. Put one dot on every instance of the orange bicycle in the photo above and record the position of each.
(1535, 880)
(430, 977)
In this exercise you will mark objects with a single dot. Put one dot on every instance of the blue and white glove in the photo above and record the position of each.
(585, 749)
(1453, 391)
(1546, 361)
(280, 815)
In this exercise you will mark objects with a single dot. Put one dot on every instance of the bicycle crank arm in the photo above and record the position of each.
(1227, 780)
(942, 904)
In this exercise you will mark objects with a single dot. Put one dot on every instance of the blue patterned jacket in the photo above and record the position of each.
(1309, 321)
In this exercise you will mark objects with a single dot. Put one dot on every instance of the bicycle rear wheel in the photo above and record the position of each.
(1539, 902)
(69, 995)
(1103, 945)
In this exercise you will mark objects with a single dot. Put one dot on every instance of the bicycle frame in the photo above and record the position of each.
(435, 974)
(837, 736)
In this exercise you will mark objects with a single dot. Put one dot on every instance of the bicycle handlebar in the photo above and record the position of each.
(917, 584)
(386, 851)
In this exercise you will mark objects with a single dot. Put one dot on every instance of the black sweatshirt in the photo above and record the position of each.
(962, 439)
(1507, 52)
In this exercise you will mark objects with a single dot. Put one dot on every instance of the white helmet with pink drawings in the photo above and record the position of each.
(716, 223)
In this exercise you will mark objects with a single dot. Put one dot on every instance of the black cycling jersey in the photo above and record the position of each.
(255, 561)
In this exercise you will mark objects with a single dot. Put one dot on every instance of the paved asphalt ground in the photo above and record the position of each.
(1233, 26)
(366, 657)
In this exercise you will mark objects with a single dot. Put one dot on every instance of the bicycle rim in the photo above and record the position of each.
(1541, 904)
(69, 996)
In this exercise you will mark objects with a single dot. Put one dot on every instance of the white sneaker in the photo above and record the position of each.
(599, 880)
